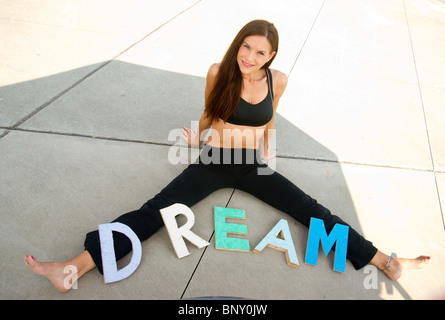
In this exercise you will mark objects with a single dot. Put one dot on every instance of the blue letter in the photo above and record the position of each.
(317, 233)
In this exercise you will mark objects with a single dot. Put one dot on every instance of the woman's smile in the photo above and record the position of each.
(246, 65)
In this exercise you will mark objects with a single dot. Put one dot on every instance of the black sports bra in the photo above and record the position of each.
(254, 115)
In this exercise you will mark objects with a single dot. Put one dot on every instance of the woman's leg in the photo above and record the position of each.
(283, 195)
(394, 268)
(57, 272)
(192, 185)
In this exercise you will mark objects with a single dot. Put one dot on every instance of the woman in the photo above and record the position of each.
(241, 98)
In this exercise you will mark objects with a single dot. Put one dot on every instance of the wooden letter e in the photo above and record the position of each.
(222, 228)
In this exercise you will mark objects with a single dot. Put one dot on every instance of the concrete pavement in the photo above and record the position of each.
(90, 90)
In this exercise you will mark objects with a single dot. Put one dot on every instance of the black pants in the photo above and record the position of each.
(229, 168)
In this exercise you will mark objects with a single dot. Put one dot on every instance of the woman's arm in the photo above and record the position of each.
(279, 86)
(192, 137)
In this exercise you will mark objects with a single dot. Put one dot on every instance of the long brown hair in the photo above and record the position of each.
(226, 93)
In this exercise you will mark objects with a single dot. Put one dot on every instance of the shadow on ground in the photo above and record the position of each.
(81, 147)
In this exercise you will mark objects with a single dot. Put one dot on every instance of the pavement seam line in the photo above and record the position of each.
(165, 144)
(202, 254)
(424, 113)
(63, 92)
(307, 37)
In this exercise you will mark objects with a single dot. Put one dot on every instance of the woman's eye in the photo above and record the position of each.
(261, 53)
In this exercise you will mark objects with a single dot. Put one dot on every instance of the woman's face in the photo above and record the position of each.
(254, 53)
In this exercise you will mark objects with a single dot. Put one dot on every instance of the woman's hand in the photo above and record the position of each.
(266, 155)
(190, 136)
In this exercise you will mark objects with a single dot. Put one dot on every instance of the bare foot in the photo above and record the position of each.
(54, 271)
(398, 265)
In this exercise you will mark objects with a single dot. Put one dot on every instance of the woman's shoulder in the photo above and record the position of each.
(211, 75)
(213, 70)
(278, 76)
(279, 81)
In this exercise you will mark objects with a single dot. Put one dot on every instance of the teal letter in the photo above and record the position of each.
(317, 233)
(222, 228)
(284, 243)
